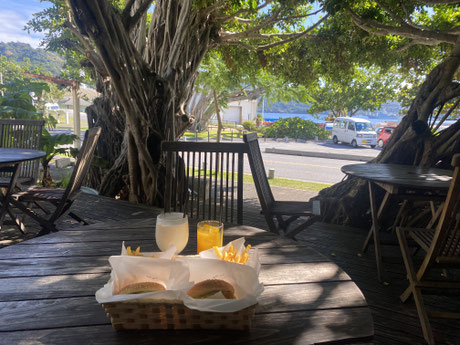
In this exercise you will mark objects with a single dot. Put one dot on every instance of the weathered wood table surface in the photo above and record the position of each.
(400, 182)
(47, 288)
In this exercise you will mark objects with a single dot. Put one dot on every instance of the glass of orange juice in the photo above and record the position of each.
(209, 233)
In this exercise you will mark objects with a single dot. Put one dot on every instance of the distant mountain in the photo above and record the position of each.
(19, 51)
(387, 109)
(280, 107)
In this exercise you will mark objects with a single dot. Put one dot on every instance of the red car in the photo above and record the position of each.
(384, 135)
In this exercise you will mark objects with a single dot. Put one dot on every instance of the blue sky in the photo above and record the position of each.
(14, 14)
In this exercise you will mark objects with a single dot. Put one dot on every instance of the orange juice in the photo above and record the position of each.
(209, 234)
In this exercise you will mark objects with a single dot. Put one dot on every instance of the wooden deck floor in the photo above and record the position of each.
(394, 322)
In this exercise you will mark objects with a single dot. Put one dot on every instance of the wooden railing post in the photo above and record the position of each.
(239, 215)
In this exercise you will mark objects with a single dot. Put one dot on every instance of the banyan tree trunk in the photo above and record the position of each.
(150, 79)
(411, 143)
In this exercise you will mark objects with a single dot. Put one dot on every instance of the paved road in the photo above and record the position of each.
(299, 161)
(304, 168)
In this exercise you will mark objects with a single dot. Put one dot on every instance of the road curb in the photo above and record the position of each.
(318, 154)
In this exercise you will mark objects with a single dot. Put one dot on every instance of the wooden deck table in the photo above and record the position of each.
(47, 288)
(400, 182)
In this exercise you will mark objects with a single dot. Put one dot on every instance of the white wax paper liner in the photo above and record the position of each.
(239, 246)
(175, 275)
(243, 278)
(179, 275)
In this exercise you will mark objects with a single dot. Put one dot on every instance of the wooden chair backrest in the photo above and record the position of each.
(83, 163)
(259, 174)
(445, 247)
(23, 134)
(210, 195)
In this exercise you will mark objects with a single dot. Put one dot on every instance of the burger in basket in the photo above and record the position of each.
(140, 287)
(212, 288)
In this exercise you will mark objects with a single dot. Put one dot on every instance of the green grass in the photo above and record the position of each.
(226, 134)
(296, 184)
(278, 182)
(83, 127)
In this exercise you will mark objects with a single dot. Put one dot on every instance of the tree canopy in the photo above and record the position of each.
(146, 65)
(421, 39)
(365, 89)
(146, 57)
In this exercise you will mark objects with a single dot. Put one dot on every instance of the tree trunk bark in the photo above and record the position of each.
(412, 143)
(151, 79)
(219, 119)
(109, 176)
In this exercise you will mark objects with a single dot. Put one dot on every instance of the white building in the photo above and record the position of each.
(240, 111)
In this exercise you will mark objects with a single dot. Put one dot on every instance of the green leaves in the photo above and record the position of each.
(296, 128)
(365, 89)
(18, 102)
(51, 144)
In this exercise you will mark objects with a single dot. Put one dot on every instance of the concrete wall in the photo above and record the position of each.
(240, 111)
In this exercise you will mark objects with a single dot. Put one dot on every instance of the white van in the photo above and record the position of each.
(354, 131)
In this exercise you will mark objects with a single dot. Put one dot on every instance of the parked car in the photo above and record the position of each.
(354, 131)
(378, 130)
(384, 135)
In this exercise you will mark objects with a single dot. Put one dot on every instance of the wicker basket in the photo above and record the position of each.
(137, 315)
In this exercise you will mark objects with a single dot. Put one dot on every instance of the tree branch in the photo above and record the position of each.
(89, 51)
(269, 20)
(409, 22)
(127, 10)
(301, 34)
(242, 44)
(452, 92)
(439, 2)
(257, 35)
(130, 21)
(426, 37)
(243, 10)
(446, 115)
(212, 8)
(250, 21)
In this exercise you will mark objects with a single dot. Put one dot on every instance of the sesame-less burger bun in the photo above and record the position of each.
(141, 287)
(209, 287)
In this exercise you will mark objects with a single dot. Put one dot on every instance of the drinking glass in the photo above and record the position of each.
(171, 228)
(210, 233)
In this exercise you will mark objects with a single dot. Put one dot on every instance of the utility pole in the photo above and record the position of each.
(76, 114)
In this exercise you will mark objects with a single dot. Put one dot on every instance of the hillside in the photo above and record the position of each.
(20, 51)
(387, 109)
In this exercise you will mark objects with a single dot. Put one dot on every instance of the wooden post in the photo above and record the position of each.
(76, 114)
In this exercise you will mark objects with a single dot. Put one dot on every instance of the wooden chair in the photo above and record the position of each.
(23, 134)
(442, 251)
(271, 208)
(61, 199)
(206, 176)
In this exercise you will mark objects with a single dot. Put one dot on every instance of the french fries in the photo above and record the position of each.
(136, 252)
(232, 256)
